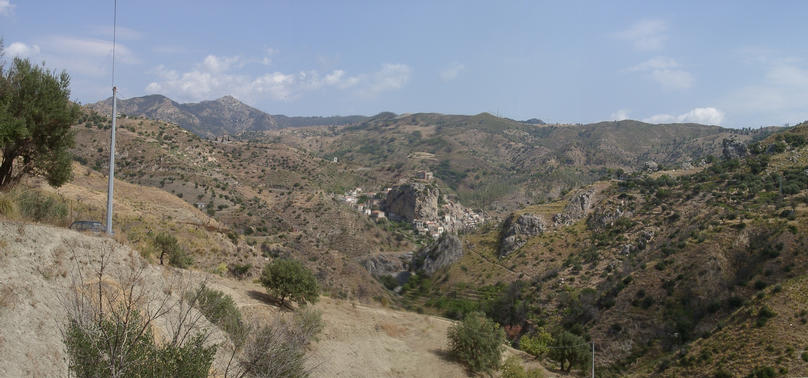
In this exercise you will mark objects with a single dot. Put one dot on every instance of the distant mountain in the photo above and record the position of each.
(223, 116)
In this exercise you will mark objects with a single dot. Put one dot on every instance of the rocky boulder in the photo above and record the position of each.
(389, 264)
(517, 229)
(440, 254)
(412, 201)
(576, 209)
(733, 149)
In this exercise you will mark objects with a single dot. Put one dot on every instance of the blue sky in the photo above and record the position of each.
(733, 63)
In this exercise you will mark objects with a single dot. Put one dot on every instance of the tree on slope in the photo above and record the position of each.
(289, 279)
(35, 118)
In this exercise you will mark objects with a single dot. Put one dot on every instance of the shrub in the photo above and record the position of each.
(569, 350)
(42, 207)
(763, 316)
(167, 245)
(7, 207)
(218, 307)
(240, 270)
(763, 372)
(278, 349)
(538, 344)
(287, 278)
(513, 369)
(478, 342)
(108, 332)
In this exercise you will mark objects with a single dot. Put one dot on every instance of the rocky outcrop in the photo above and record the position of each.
(389, 264)
(602, 218)
(517, 229)
(651, 166)
(432, 258)
(733, 149)
(576, 209)
(412, 201)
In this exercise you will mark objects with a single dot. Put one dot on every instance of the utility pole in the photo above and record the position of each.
(111, 183)
(593, 358)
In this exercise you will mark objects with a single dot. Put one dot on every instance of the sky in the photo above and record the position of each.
(730, 63)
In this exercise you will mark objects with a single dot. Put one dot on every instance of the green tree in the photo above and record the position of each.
(569, 350)
(289, 279)
(538, 344)
(167, 244)
(35, 118)
(478, 342)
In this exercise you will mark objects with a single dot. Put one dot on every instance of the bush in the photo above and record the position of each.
(538, 344)
(218, 307)
(287, 278)
(569, 350)
(109, 331)
(240, 270)
(763, 372)
(88, 350)
(513, 369)
(278, 349)
(42, 207)
(478, 342)
(167, 245)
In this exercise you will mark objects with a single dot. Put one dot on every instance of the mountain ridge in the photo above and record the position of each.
(212, 118)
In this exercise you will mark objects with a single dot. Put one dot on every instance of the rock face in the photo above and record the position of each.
(390, 264)
(576, 209)
(517, 229)
(432, 258)
(733, 149)
(412, 201)
(602, 218)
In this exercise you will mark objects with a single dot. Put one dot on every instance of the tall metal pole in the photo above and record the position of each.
(111, 183)
(110, 186)
(593, 359)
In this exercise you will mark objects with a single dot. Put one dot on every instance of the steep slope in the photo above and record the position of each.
(223, 116)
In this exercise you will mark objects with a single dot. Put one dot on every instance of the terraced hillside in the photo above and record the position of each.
(497, 163)
(671, 274)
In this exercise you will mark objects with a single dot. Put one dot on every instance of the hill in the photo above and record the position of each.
(676, 273)
(500, 164)
(270, 199)
(223, 116)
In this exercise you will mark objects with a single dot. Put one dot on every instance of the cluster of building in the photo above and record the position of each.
(367, 203)
(441, 216)
(455, 218)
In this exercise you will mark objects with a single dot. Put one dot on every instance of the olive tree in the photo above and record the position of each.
(35, 118)
(289, 279)
(478, 342)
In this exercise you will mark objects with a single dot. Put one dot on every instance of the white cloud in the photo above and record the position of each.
(646, 35)
(216, 76)
(665, 71)
(707, 116)
(451, 72)
(389, 77)
(215, 64)
(6, 7)
(22, 50)
(620, 115)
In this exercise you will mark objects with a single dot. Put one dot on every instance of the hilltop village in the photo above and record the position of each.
(418, 202)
